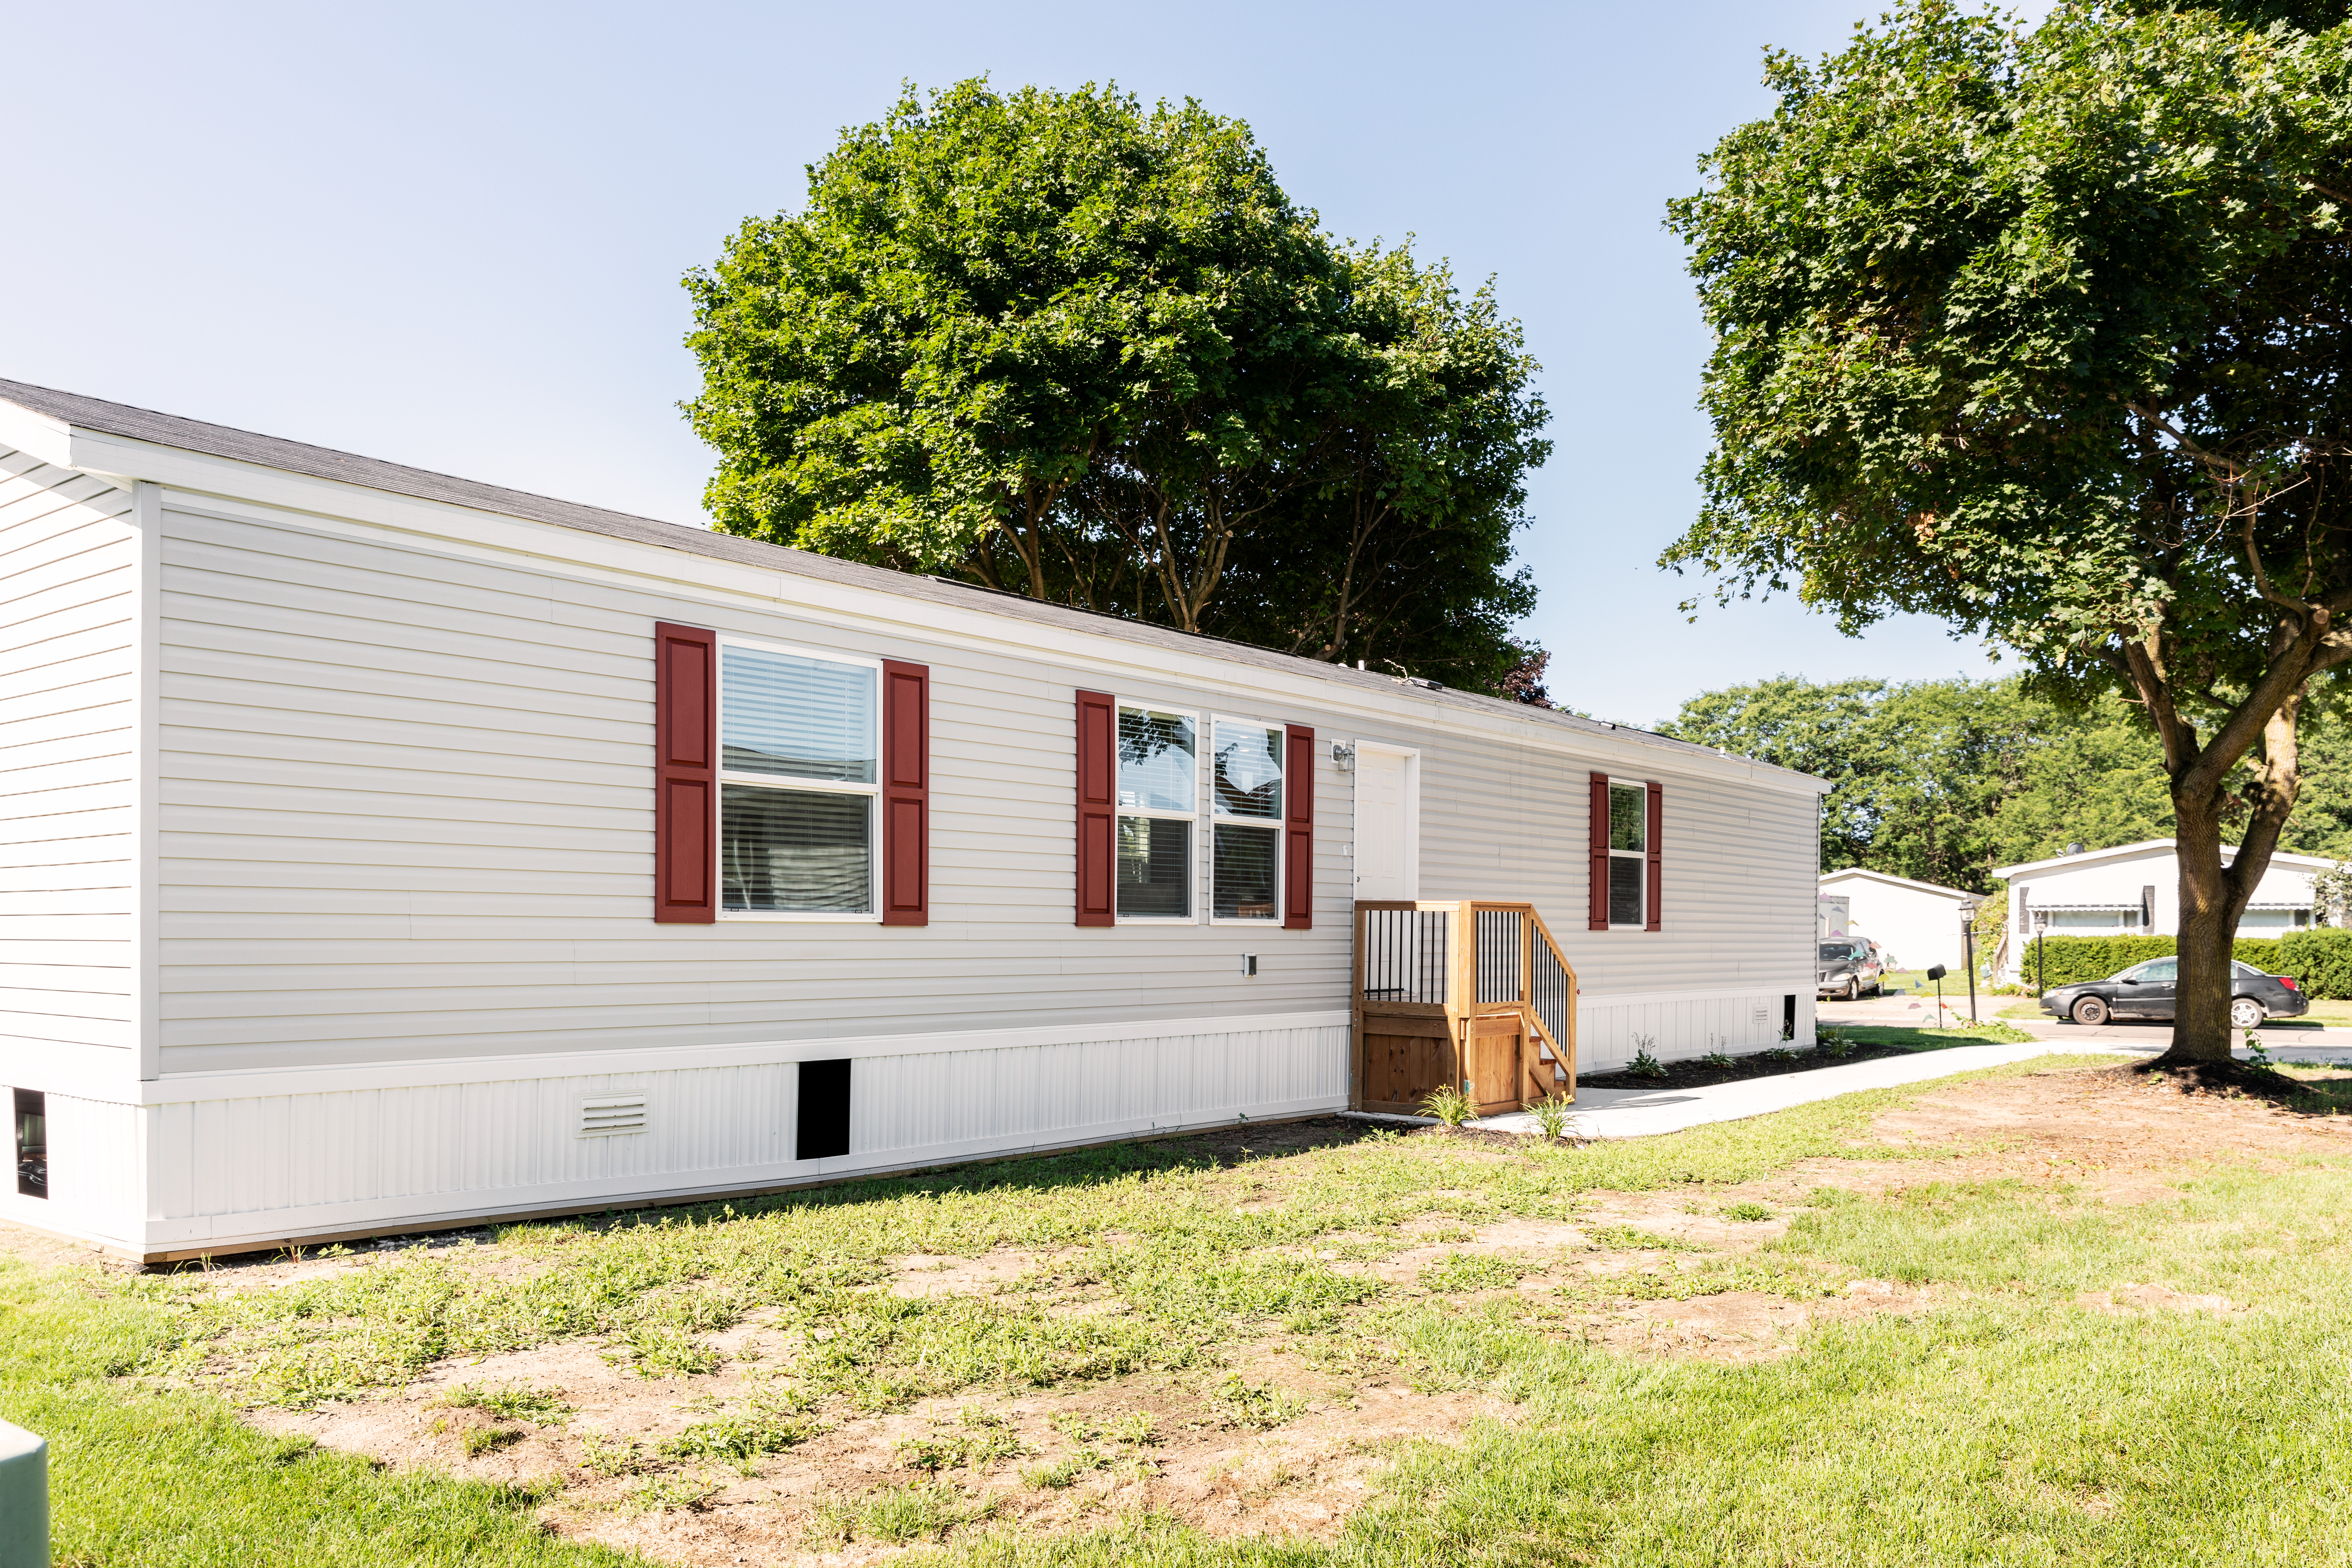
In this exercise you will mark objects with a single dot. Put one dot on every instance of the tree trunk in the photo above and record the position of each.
(2200, 1009)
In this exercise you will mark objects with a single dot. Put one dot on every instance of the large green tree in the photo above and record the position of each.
(2044, 332)
(1060, 345)
(1945, 780)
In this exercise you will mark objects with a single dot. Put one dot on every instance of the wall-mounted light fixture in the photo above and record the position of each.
(1343, 755)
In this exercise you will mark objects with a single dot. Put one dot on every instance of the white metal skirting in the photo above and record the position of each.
(262, 1167)
(1610, 1030)
(96, 1173)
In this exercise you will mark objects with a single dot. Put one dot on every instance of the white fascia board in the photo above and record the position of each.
(2146, 850)
(37, 435)
(2145, 847)
(200, 482)
(1859, 873)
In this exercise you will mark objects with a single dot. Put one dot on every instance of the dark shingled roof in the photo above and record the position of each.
(322, 462)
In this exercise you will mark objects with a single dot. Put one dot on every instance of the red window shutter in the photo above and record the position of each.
(1599, 913)
(685, 775)
(1657, 877)
(906, 793)
(1299, 828)
(1098, 778)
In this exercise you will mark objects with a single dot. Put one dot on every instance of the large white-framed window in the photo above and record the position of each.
(1629, 855)
(1246, 783)
(1158, 812)
(799, 777)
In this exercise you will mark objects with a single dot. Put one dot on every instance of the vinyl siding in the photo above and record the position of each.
(407, 813)
(68, 579)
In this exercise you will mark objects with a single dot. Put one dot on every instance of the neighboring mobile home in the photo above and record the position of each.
(390, 850)
(1916, 924)
(2134, 889)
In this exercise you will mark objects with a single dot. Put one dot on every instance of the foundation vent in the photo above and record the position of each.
(602, 1115)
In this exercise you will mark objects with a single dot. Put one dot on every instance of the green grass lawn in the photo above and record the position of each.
(2000, 1423)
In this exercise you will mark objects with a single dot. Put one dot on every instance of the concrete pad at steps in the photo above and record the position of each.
(1641, 1112)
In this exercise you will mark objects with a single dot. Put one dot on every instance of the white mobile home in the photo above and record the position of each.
(388, 850)
(2134, 889)
(1916, 924)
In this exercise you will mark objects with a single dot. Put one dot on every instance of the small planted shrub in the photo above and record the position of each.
(1646, 1064)
(1777, 1054)
(1716, 1059)
(1449, 1105)
(1551, 1114)
(1833, 1043)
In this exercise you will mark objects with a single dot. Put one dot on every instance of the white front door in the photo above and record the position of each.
(1388, 823)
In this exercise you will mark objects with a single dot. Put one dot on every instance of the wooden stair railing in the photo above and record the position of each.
(1472, 993)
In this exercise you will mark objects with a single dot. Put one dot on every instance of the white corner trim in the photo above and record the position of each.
(147, 946)
(178, 1088)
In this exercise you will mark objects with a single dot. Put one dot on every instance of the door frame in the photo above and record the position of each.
(1412, 818)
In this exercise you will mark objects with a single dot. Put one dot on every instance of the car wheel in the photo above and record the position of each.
(1853, 989)
(2090, 1011)
(2246, 1012)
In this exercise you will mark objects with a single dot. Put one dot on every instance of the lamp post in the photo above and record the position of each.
(1968, 949)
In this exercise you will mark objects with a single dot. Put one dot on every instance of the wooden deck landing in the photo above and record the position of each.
(1467, 991)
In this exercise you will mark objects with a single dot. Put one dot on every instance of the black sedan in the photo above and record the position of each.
(2146, 991)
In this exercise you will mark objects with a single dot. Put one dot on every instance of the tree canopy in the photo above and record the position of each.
(1945, 780)
(1063, 345)
(2042, 332)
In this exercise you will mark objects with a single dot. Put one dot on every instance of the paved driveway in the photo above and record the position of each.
(2286, 1039)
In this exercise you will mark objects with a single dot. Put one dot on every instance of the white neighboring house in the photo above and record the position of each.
(1914, 924)
(386, 850)
(2135, 890)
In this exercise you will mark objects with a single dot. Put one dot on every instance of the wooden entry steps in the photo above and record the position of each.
(1470, 992)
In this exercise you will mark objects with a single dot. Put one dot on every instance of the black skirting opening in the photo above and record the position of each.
(824, 1111)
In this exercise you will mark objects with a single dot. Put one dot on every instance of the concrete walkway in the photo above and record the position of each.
(1646, 1112)
(1643, 1112)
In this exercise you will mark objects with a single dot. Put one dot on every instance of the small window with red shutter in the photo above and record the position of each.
(1625, 858)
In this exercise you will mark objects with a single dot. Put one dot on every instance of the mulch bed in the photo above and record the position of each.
(1696, 1074)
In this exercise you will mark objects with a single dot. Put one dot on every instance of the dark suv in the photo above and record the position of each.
(1850, 967)
(2148, 991)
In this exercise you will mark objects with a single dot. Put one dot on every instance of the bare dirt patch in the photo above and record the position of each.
(925, 1274)
(2130, 1297)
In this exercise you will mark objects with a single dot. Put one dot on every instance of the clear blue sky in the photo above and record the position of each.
(451, 236)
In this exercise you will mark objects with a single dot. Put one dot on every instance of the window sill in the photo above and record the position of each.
(793, 917)
(1157, 921)
(1264, 923)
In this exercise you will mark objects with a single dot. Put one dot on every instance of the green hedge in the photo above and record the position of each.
(2320, 960)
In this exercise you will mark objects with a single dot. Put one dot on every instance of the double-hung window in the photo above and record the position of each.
(798, 782)
(1629, 852)
(1158, 804)
(1245, 797)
